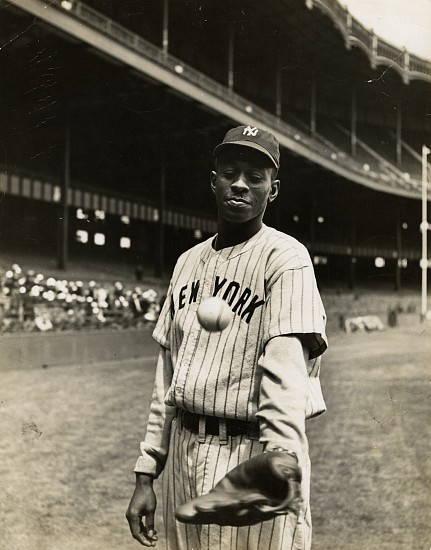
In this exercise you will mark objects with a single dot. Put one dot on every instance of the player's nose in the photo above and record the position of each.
(240, 183)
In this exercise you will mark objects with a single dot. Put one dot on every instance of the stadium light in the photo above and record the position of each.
(82, 236)
(99, 215)
(99, 239)
(81, 215)
(424, 230)
(125, 242)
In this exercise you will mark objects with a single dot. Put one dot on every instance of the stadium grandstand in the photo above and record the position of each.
(110, 112)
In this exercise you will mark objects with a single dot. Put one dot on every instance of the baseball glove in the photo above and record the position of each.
(258, 489)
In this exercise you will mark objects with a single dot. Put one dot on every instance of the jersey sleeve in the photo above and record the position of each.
(162, 330)
(155, 446)
(294, 306)
(283, 396)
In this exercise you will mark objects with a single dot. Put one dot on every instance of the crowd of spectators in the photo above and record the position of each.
(30, 301)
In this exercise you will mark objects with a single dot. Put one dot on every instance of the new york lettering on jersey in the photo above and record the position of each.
(241, 302)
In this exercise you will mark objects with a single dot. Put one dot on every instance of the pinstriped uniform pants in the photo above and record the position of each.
(193, 468)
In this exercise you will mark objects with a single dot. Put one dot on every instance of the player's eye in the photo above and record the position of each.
(255, 178)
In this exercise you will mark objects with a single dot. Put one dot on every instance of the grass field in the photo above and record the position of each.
(70, 439)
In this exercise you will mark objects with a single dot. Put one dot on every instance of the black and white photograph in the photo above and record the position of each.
(215, 274)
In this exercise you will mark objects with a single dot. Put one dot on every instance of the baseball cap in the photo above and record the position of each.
(250, 136)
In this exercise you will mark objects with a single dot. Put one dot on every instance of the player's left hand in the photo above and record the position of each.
(258, 489)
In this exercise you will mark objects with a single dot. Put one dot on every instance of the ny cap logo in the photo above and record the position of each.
(249, 131)
(250, 136)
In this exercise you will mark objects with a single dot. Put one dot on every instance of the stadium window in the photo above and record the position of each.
(402, 262)
(320, 260)
(81, 215)
(125, 219)
(99, 239)
(99, 215)
(82, 236)
(125, 242)
(56, 194)
(379, 262)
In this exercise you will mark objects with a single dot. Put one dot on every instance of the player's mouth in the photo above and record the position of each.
(236, 202)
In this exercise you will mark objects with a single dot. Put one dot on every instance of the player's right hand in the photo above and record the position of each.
(140, 513)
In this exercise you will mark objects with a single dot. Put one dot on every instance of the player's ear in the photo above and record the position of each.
(275, 188)
(213, 178)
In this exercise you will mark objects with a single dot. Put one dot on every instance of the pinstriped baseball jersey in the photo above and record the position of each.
(269, 283)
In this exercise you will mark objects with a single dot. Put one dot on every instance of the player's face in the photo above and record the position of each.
(243, 185)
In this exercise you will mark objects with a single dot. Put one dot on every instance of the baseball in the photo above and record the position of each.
(214, 314)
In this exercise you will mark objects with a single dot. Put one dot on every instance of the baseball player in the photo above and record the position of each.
(223, 399)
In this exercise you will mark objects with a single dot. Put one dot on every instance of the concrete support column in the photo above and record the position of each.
(399, 250)
(231, 56)
(353, 121)
(399, 120)
(278, 87)
(160, 264)
(312, 228)
(63, 217)
(162, 206)
(313, 102)
(353, 259)
(165, 36)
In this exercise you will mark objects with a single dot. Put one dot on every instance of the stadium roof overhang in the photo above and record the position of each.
(153, 64)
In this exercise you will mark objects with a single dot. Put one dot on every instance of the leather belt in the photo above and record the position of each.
(218, 426)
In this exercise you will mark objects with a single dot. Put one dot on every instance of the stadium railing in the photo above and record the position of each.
(380, 52)
(327, 151)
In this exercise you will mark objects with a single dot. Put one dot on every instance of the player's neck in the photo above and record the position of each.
(231, 234)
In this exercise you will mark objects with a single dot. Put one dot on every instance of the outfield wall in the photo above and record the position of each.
(42, 350)
(38, 350)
